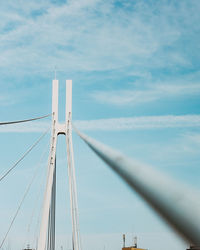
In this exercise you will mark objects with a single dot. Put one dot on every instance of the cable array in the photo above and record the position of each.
(33, 213)
(23, 156)
(19, 207)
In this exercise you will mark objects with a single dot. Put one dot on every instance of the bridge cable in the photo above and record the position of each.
(20, 205)
(176, 204)
(23, 156)
(37, 197)
(27, 120)
(76, 239)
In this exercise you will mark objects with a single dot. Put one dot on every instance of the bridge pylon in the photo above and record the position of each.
(46, 240)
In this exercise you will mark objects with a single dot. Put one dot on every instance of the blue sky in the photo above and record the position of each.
(135, 71)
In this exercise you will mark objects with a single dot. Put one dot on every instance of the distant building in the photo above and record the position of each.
(134, 247)
(28, 248)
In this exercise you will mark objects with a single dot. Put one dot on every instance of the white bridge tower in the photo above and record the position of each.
(46, 239)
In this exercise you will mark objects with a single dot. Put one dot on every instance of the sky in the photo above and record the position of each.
(135, 71)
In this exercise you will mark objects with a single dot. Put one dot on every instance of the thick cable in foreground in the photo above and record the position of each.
(178, 205)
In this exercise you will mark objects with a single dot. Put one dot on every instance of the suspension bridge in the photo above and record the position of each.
(169, 199)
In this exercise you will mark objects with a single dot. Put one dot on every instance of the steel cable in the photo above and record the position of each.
(173, 201)
(24, 155)
(38, 195)
(19, 207)
(27, 120)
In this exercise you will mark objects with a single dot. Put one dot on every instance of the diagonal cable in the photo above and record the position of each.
(38, 195)
(20, 205)
(27, 120)
(24, 155)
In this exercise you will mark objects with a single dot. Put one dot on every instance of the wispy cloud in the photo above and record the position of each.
(6, 100)
(143, 122)
(148, 94)
(193, 138)
(182, 149)
(33, 127)
(94, 35)
(115, 124)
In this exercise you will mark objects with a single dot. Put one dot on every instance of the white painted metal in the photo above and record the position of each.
(55, 100)
(48, 207)
(42, 241)
(174, 202)
(74, 242)
(51, 226)
(71, 169)
(68, 100)
(78, 236)
(48, 193)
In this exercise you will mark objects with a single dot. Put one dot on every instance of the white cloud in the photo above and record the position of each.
(152, 93)
(6, 100)
(114, 124)
(91, 35)
(193, 137)
(180, 150)
(143, 122)
(32, 127)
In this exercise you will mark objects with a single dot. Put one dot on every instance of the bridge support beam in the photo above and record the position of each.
(46, 239)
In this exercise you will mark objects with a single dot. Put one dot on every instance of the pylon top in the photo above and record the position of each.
(61, 127)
